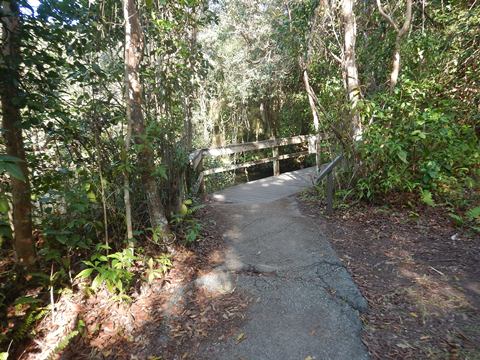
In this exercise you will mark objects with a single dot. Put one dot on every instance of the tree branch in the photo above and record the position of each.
(408, 19)
(388, 17)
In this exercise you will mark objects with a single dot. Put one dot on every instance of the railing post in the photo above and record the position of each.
(330, 191)
(314, 148)
(201, 188)
(317, 152)
(276, 162)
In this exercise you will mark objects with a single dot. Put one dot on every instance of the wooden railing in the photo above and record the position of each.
(324, 171)
(196, 158)
(327, 171)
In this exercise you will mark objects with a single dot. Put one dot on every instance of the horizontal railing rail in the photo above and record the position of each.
(323, 171)
(327, 172)
(196, 158)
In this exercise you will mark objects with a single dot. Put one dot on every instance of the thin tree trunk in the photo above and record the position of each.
(398, 40)
(126, 181)
(395, 64)
(311, 100)
(126, 172)
(350, 65)
(102, 185)
(187, 123)
(9, 92)
(313, 108)
(134, 44)
(126, 156)
(188, 98)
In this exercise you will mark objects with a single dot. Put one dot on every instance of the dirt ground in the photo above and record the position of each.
(167, 319)
(419, 274)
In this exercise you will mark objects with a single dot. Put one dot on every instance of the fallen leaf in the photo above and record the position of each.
(240, 337)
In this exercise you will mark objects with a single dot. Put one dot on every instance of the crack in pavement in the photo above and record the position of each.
(302, 275)
(284, 261)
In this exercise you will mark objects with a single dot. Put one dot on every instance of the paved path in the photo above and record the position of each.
(267, 189)
(306, 303)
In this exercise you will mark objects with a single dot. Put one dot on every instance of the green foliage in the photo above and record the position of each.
(423, 137)
(157, 267)
(114, 271)
(31, 311)
(426, 197)
(416, 141)
(218, 181)
(471, 219)
(65, 341)
(186, 224)
(474, 214)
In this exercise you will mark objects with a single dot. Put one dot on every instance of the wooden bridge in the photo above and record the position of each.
(282, 259)
(271, 188)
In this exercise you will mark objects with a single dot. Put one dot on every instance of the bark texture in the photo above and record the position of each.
(313, 108)
(134, 45)
(12, 125)
(350, 64)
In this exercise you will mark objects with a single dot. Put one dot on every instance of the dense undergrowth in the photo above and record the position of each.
(215, 74)
(80, 264)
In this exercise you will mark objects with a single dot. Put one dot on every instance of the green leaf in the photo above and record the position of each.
(474, 213)
(97, 281)
(456, 218)
(119, 286)
(26, 300)
(3, 205)
(13, 169)
(3, 355)
(420, 134)
(402, 155)
(161, 171)
(97, 69)
(427, 198)
(84, 273)
(91, 196)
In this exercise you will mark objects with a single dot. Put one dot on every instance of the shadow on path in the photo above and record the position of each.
(305, 303)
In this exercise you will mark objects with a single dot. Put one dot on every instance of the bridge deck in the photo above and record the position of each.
(268, 189)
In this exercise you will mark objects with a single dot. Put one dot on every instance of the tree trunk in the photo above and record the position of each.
(12, 121)
(126, 181)
(395, 65)
(187, 122)
(188, 103)
(400, 34)
(134, 44)
(313, 108)
(270, 125)
(350, 65)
